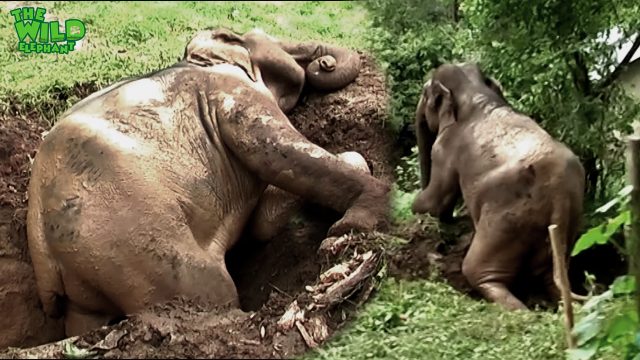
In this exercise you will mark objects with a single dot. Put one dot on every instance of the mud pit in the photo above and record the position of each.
(269, 276)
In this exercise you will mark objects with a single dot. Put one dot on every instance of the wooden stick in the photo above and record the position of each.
(633, 240)
(305, 336)
(558, 246)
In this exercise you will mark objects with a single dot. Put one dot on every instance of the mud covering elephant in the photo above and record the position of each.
(514, 178)
(139, 190)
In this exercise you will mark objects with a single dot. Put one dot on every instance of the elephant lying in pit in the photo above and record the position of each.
(139, 190)
(515, 180)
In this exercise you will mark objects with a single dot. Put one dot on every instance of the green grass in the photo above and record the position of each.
(132, 38)
(430, 320)
(420, 319)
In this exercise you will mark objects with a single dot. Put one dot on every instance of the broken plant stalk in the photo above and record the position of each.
(558, 247)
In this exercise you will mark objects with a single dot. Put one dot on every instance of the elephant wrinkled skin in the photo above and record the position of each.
(515, 180)
(139, 190)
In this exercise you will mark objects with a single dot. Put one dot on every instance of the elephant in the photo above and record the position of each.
(139, 190)
(324, 67)
(514, 178)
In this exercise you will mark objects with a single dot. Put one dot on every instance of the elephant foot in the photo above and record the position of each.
(366, 214)
(499, 294)
(359, 220)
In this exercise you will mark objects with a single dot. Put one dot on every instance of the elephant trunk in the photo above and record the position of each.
(425, 139)
(328, 68)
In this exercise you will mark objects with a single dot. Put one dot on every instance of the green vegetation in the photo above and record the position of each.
(430, 320)
(609, 324)
(609, 320)
(541, 51)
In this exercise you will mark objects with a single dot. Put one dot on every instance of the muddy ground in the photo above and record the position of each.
(269, 276)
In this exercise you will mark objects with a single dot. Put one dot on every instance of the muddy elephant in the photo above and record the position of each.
(140, 189)
(286, 67)
(514, 178)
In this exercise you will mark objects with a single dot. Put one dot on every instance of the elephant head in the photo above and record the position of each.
(327, 67)
(283, 66)
(452, 94)
(211, 47)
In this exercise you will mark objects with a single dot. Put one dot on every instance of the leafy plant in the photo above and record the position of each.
(408, 172)
(610, 320)
(71, 351)
(609, 325)
(603, 233)
(401, 205)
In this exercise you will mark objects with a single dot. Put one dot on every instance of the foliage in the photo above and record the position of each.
(409, 38)
(609, 325)
(408, 171)
(401, 205)
(601, 234)
(610, 320)
(550, 57)
(70, 351)
(431, 320)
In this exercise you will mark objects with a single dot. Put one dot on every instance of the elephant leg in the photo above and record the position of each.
(492, 262)
(276, 206)
(440, 196)
(273, 212)
(119, 262)
(501, 295)
(86, 308)
(264, 140)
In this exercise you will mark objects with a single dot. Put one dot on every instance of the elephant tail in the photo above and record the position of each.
(48, 276)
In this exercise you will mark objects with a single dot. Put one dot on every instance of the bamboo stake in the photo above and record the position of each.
(558, 247)
(633, 240)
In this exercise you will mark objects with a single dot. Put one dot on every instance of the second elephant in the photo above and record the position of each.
(515, 180)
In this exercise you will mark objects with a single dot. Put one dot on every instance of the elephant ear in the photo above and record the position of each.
(494, 85)
(440, 102)
(216, 48)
